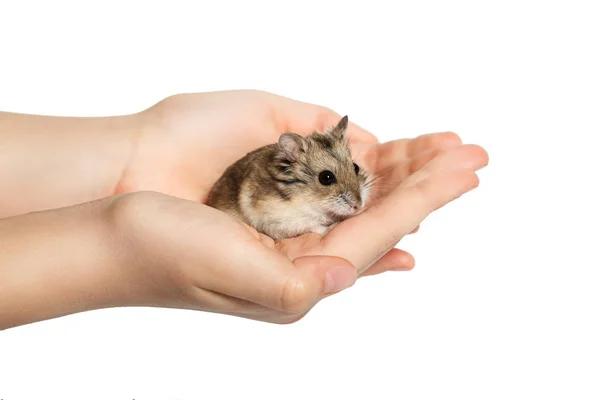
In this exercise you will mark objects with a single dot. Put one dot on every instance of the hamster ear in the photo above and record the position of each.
(291, 145)
(340, 129)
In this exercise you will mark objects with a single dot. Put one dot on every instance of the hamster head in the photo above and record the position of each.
(318, 171)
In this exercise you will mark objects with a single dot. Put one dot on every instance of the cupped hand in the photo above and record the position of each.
(191, 256)
(190, 139)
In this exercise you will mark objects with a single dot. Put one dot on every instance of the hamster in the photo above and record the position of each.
(299, 184)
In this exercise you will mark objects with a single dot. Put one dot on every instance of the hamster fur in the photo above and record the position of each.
(300, 184)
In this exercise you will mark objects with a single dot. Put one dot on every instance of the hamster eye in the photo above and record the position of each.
(356, 168)
(327, 178)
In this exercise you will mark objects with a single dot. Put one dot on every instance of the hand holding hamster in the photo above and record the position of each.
(300, 184)
(145, 233)
(189, 140)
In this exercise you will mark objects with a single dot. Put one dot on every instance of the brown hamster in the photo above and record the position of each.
(300, 184)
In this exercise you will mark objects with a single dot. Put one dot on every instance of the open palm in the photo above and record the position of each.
(190, 139)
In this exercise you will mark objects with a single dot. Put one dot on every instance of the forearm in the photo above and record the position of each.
(63, 261)
(49, 162)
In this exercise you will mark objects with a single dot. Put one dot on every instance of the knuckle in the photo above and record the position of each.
(128, 211)
(294, 298)
(426, 195)
(127, 206)
(426, 158)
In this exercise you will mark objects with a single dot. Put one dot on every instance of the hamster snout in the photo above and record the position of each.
(354, 202)
(346, 204)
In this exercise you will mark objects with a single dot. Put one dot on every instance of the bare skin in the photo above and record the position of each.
(131, 230)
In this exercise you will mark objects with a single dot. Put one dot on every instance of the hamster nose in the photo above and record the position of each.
(351, 201)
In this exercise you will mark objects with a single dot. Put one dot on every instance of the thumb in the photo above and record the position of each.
(314, 278)
(328, 274)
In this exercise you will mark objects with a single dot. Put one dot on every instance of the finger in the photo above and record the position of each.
(395, 259)
(381, 227)
(404, 170)
(388, 180)
(390, 153)
(335, 276)
(463, 156)
(315, 276)
(305, 118)
(263, 276)
(470, 157)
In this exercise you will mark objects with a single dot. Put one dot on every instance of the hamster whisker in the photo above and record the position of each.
(372, 181)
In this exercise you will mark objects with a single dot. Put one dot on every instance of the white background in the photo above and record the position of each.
(504, 301)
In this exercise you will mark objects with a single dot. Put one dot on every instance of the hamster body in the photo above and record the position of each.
(300, 184)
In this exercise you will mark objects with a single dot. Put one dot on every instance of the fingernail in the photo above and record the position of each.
(339, 278)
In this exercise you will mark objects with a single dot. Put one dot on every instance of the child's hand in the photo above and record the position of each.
(189, 140)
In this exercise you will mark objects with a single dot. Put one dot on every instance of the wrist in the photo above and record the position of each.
(56, 262)
(140, 252)
(73, 159)
(79, 258)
